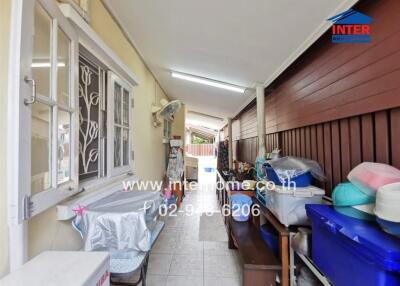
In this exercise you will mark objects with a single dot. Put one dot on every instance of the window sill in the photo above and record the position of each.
(93, 191)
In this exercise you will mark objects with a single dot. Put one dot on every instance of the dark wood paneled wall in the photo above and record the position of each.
(340, 145)
(333, 81)
(245, 150)
(338, 103)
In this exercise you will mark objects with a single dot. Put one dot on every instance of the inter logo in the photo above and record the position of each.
(351, 27)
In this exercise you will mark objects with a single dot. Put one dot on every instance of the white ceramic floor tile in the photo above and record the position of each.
(193, 247)
(184, 281)
(217, 248)
(222, 281)
(165, 244)
(156, 280)
(189, 234)
(221, 266)
(159, 264)
(187, 265)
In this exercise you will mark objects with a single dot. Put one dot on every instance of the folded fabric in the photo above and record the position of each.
(369, 177)
(347, 194)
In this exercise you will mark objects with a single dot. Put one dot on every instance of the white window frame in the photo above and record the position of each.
(58, 192)
(111, 170)
(104, 54)
(21, 113)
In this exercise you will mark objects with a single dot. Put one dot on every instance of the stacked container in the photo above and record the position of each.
(288, 205)
(388, 208)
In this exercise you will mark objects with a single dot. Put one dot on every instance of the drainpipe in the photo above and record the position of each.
(230, 143)
(260, 120)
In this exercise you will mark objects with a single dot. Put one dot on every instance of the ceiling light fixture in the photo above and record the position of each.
(209, 82)
(45, 65)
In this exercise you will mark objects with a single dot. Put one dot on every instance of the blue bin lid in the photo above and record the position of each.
(241, 199)
(366, 237)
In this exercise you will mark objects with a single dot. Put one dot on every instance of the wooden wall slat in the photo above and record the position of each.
(345, 148)
(355, 141)
(308, 142)
(302, 142)
(293, 142)
(382, 139)
(336, 167)
(395, 136)
(313, 143)
(367, 128)
(328, 154)
(320, 145)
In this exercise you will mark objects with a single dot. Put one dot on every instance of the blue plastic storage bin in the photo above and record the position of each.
(353, 252)
(271, 238)
(240, 207)
(301, 181)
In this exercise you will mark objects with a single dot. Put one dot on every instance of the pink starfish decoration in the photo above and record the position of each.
(79, 210)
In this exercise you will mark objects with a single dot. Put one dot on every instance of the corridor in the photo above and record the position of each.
(193, 248)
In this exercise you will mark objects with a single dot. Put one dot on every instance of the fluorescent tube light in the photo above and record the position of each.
(45, 65)
(209, 82)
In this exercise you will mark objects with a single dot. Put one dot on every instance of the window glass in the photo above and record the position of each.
(63, 147)
(125, 145)
(40, 148)
(121, 125)
(126, 108)
(117, 147)
(117, 103)
(41, 55)
(63, 64)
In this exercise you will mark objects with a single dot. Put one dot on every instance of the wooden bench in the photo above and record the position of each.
(260, 266)
(283, 239)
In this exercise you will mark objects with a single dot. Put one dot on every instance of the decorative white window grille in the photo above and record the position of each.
(91, 116)
(105, 120)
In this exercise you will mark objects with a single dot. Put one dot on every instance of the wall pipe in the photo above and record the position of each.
(230, 145)
(260, 119)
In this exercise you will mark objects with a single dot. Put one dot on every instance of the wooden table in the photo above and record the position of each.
(283, 239)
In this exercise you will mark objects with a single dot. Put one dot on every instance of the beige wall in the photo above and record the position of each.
(44, 232)
(5, 11)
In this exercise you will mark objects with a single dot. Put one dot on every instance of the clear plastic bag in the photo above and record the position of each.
(291, 167)
(119, 222)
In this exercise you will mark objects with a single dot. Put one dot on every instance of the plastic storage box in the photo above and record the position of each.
(271, 238)
(288, 205)
(353, 252)
(301, 181)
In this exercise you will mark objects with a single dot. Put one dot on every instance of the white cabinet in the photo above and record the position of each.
(63, 268)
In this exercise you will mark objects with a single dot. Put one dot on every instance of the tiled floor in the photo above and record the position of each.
(179, 257)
